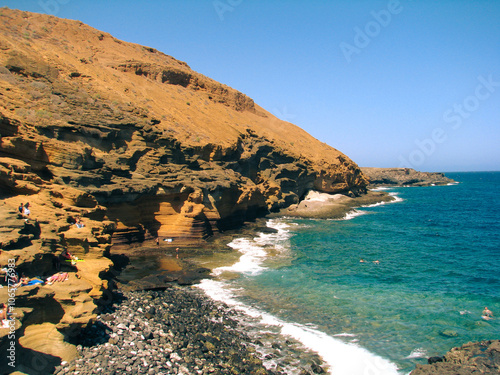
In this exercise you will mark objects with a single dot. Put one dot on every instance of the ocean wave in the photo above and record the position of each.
(397, 198)
(253, 250)
(348, 216)
(342, 358)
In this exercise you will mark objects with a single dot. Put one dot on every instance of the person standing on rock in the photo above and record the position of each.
(157, 241)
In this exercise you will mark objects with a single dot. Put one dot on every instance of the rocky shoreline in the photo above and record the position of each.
(180, 331)
(472, 358)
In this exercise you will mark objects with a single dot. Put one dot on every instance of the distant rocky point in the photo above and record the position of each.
(404, 177)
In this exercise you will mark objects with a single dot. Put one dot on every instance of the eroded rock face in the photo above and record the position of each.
(138, 146)
(165, 151)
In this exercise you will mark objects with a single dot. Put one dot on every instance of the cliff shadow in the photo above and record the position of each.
(26, 361)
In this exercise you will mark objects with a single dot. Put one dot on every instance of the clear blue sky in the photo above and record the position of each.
(390, 83)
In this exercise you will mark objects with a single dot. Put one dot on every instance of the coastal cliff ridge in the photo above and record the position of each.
(138, 147)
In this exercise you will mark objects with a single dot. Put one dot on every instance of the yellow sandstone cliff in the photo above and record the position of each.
(139, 146)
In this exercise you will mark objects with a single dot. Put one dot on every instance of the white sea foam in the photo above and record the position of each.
(253, 251)
(342, 358)
(417, 353)
(396, 197)
(392, 194)
(352, 214)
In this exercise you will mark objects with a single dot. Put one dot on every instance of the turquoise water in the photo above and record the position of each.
(438, 250)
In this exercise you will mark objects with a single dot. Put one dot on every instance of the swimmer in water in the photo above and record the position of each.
(487, 314)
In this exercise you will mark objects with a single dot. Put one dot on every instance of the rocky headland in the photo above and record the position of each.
(404, 177)
(138, 148)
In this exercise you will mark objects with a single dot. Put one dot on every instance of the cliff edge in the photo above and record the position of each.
(165, 150)
(136, 146)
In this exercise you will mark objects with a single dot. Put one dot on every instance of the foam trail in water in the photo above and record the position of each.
(355, 213)
(341, 357)
(253, 252)
(352, 214)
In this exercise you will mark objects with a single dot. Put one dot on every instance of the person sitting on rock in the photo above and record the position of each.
(79, 223)
(21, 208)
(25, 280)
(26, 211)
(66, 255)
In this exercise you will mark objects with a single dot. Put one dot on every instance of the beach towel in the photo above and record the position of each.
(34, 282)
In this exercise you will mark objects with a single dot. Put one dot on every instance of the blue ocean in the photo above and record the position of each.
(431, 264)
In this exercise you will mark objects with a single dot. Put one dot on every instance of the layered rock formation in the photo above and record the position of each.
(404, 177)
(139, 146)
(166, 150)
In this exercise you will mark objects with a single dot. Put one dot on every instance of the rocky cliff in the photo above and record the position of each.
(404, 177)
(164, 150)
(138, 146)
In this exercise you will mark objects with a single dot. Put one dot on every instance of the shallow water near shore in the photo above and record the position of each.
(437, 250)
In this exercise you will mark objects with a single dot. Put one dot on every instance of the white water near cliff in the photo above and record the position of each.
(341, 357)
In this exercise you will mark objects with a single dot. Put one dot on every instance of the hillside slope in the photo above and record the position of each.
(165, 150)
(138, 146)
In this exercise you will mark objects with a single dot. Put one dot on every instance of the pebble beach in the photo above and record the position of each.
(180, 331)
